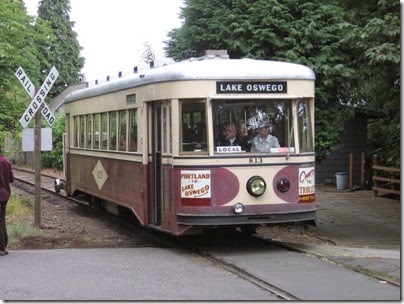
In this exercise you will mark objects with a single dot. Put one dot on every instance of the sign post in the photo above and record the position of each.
(38, 167)
(37, 103)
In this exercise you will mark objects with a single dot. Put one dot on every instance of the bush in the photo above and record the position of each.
(54, 158)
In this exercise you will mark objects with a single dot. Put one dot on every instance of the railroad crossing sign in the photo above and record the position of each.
(38, 99)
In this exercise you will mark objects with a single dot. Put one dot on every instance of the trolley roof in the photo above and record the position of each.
(206, 69)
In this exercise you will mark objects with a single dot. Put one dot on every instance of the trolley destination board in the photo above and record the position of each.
(38, 100)
(251, 87)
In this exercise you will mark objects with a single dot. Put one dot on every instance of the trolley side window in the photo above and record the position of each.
(76, 131)
(82, 130)
(254, 125)
(166, 129)
(132, 145)
(122, 131)
(113, 129)
(89, 144)
(104, 130)
(305, 126)
(193, 126)
(97, 131)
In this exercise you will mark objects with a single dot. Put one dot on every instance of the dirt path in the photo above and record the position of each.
(69, 225)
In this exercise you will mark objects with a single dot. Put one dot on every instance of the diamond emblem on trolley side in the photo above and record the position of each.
(100, 175)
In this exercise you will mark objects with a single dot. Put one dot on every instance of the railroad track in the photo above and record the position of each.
(28, 177)
(251, 242)
(272, 289)
(201, 246)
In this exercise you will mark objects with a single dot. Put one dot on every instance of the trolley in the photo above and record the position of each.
(196, 144)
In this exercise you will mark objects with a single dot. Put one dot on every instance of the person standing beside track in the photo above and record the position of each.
(6, 177)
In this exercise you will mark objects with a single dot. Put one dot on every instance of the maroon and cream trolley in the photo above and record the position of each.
(155, 143)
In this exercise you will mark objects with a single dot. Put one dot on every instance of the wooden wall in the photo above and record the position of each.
(354, 141)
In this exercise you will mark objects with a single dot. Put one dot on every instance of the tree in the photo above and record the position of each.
(19, 38)
(306, 32)
(375, 41)
(54, 158)
(64, 51)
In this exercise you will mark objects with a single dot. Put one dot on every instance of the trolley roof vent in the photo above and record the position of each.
(209, 54)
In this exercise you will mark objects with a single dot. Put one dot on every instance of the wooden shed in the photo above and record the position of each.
(355, 142)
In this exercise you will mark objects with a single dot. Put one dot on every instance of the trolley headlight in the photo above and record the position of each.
(256, 186)
(283, 185)
(238, 208)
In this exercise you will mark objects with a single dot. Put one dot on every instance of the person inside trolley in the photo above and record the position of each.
(232, 138)
(242, 133)
(264, 141)
(194, 138)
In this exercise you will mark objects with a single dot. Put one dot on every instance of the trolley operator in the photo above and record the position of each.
(6, 177)
(230, 136)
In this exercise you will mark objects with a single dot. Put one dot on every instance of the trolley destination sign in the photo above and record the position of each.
(38, 101)
(251, 87)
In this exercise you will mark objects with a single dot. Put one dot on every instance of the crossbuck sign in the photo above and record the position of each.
(38, 99)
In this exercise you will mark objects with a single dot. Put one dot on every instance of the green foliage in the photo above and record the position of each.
(306, 32)
(375, 42)
(20, 217)
(54, 158)
(353, 47)
(13, 147)
(36, 45)
(18, 47)
(17, 206)
(64, 51)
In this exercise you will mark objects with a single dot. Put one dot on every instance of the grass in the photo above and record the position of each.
(20, 219)
(89, 240)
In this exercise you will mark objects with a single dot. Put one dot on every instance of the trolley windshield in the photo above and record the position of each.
(250, 126)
